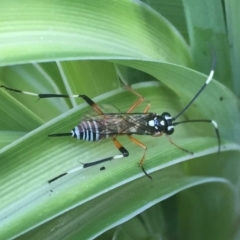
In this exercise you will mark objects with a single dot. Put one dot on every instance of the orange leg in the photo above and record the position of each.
(183, 149)
(138, 102)
(124, 153)
(134, 140)
(91, 103)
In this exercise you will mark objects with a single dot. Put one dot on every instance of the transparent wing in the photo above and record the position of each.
(125, 123)
(105, 108)
(114, 122)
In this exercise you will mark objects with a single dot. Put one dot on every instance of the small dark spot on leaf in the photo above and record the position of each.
(102, 168)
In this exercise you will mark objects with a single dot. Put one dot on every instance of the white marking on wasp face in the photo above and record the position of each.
(170, 127)
(162, 123)
(156, 127)
(167, 118)
(151, 123)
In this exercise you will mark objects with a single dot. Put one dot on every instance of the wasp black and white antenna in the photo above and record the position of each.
(104, 125)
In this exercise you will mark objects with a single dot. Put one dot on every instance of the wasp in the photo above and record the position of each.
(102, 125)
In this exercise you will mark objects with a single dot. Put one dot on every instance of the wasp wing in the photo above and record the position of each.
(105, 108)
(129, 123)
(114, 122)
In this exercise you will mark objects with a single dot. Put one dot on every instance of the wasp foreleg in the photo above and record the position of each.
(134, 140)
(183, 149)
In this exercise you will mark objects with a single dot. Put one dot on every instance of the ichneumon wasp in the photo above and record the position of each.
(102, 125)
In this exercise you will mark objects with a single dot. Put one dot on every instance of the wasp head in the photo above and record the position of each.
(162, 123)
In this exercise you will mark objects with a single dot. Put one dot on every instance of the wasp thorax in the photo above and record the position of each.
(162, 123)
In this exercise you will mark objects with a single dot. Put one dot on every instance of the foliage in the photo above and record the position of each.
(82, 46)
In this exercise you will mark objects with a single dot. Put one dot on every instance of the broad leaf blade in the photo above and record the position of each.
(65, 30)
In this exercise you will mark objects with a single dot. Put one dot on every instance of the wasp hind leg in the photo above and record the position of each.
(124, 153)
(123, 150)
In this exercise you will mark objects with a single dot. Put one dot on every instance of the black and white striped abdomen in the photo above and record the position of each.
(88, 131)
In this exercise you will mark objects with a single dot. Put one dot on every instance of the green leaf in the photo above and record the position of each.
(6, 137)
(103, 212)
(65, 30)
(126, 33)
(232, 22)
(207, 34)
